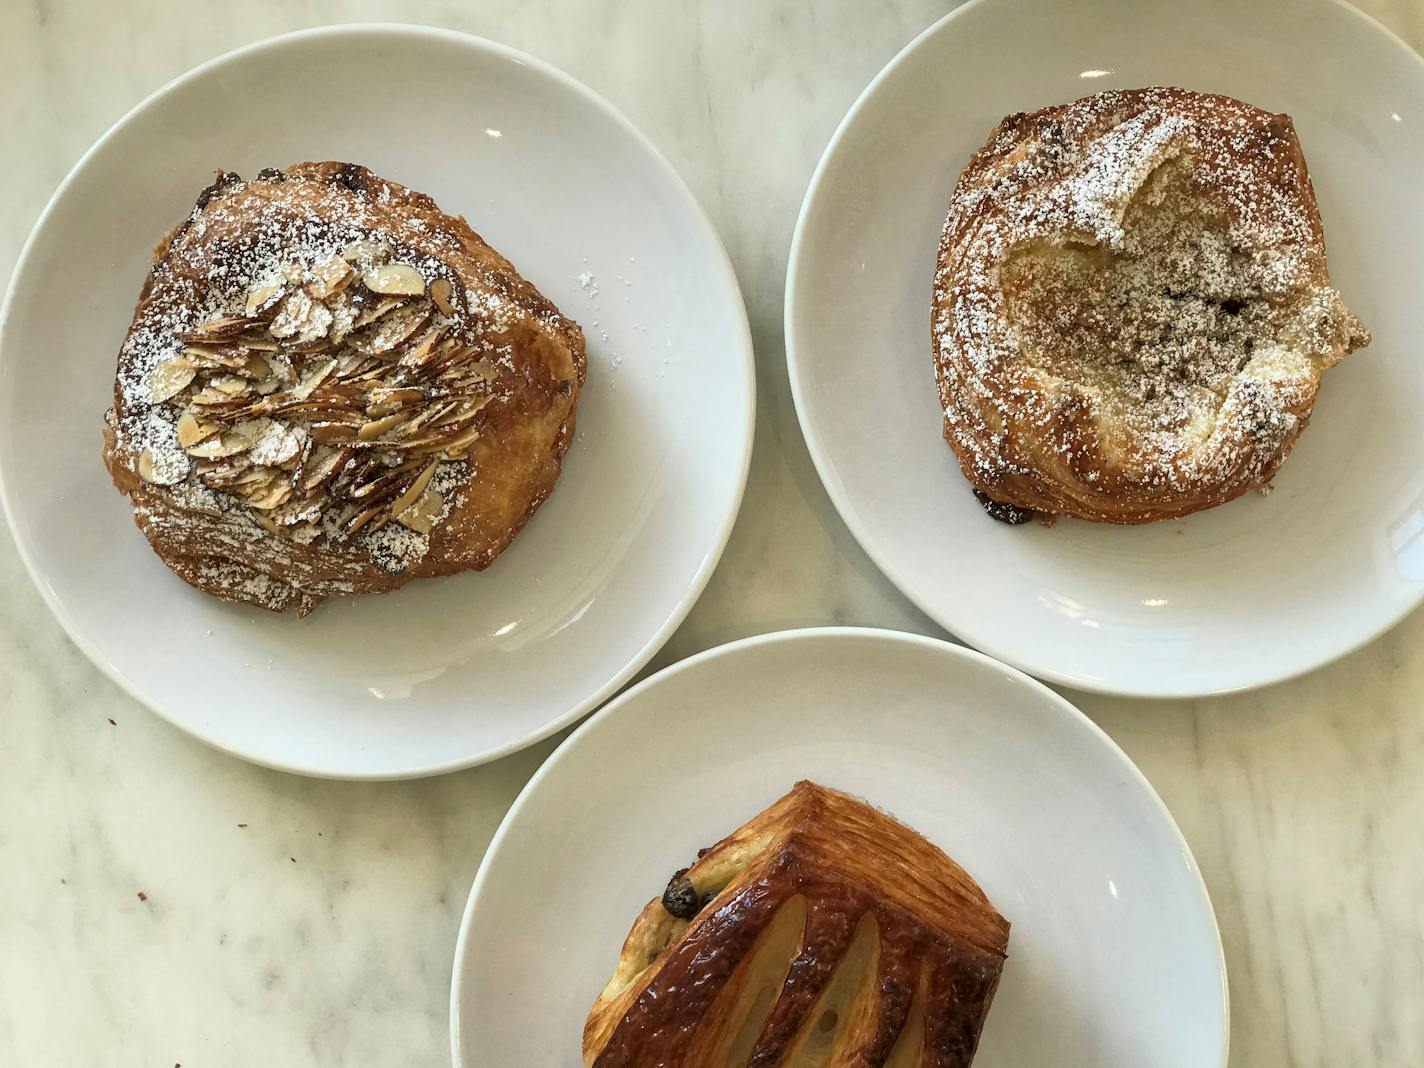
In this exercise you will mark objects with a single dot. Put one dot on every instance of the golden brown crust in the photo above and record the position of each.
(531, 356)
(828, 927)
(1132, 309)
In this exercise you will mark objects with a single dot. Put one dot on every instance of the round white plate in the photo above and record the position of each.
(1239, 596)
(447, 672)
(1114, 958)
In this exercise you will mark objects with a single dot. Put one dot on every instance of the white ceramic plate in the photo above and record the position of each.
(1242, 595)
(1114, 958)
(447, 672)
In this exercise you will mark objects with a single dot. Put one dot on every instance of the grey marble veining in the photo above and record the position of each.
(294, 922)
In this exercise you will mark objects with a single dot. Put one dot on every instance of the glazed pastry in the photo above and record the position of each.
(1132, 310)
(821, 932)
(331, 387)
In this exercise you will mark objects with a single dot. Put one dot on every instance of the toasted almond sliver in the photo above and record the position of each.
(382, 307)
(452, 445)
(263, 298)
(255, 367)
(360, 519)
(385, 401)
(293, 316)
(231, 385)
(331, 433)
(228, 326)
(190, 431)
(376, 427)
(168, 379)
(313, 378)
(277, 444)
(316, 325)
(225, 445)
(273, 497)
(159, 474)
(365, 250)
(394, 279)
(411, 495)
(330, 278)
(398, 328)
(322, 467)
(440, 294)
(422, 349)
(422, 515)
(430, 415)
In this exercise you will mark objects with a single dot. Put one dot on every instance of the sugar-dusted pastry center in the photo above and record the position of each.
(331, 402)
(1154, 331)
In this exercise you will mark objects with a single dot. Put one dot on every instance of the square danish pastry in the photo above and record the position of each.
(821, 932)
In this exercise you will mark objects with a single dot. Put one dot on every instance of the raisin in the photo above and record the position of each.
(681, 898)
(1011, 514)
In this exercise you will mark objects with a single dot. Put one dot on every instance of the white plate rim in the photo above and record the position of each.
(1065, 707)
(845, 508)
(747, 412)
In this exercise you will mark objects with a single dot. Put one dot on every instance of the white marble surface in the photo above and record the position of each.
(293, 922)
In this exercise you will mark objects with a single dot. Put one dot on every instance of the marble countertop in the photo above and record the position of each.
(165, 904)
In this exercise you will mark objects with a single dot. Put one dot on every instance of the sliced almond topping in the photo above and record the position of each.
(271, 497)
(277, 444)
(164, 470)
(365, 250)
(330, 278)
(385, 401)
(313, 378)
(231, 385)
(215, 356)
(422, 349)
(190, 431)
(424, 513)
(316, 327)
(399, 327)
(456, 448)
(394, 279)
(225, 445)
(343, 317)
(376, 427)
(256, 366)
(440, 294)
(360, 519)
(322, 465)
(168, 379)
(411, 495)
(263, 299)
(230, 326)
(293, 316)
(382, 307)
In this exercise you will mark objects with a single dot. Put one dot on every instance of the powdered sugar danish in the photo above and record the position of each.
(331, 387)
(1132, 310)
